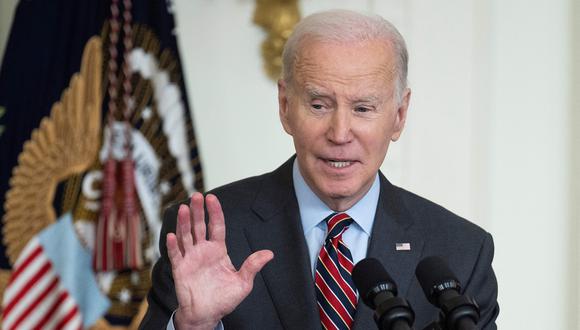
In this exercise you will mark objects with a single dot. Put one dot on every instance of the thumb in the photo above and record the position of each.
(254, 263)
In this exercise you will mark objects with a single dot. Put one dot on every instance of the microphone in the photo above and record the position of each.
(379, 292)
(442, 289)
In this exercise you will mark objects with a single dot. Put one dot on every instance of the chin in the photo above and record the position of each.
(340, 192)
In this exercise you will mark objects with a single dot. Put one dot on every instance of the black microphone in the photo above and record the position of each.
(442, 289)
(378, 291)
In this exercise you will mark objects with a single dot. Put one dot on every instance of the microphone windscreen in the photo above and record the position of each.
(432, 272)
(368, 273)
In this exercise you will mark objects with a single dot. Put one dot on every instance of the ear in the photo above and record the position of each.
(401, 115)
(283, 106)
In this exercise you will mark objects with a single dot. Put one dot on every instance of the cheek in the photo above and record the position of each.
(306, 143)
(376, 142)
(303, 139)
(307, 130)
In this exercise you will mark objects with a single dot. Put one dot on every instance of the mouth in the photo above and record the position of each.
(335, 163)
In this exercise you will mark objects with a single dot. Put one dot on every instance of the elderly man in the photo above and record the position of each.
(295, 233)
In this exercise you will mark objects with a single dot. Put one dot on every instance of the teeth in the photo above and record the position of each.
(338, 164)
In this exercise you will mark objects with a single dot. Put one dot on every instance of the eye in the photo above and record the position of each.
(362, 109)
(317, 106)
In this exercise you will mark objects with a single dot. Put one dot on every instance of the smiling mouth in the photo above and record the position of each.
(339, 164)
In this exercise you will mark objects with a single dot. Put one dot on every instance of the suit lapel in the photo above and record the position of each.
(288, 277)
(393, 224)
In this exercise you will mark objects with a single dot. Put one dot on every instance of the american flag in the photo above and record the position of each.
(35, 297)
(403, 246)
(52, 285)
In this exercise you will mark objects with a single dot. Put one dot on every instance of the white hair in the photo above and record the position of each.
(346, 26)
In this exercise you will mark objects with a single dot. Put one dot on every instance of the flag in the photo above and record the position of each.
(52, 285)
(403, 246)
(84, 84)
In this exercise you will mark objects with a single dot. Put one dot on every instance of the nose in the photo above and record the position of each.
(340, 127)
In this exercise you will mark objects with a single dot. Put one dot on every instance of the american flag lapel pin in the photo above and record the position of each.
(403, 246)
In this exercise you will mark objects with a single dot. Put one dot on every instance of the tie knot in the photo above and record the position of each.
(337, 223)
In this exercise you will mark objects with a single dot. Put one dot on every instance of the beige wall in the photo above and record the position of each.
(574, 197)
(7, 8)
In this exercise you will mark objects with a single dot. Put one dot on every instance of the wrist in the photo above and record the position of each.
(182, 321)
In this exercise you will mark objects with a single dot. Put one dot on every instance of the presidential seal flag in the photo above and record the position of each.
(97, 140)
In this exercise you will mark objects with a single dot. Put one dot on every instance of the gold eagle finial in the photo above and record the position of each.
(278, 18)
(66, 143)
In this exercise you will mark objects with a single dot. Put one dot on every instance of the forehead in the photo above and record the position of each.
(352, 66)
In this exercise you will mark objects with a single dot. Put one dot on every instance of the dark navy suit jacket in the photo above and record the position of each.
(262, 213)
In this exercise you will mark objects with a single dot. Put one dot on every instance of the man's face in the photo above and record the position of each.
(342, 112)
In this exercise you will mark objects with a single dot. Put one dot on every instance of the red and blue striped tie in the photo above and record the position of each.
(335, 290)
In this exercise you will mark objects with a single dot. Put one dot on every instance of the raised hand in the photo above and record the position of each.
(207, 285)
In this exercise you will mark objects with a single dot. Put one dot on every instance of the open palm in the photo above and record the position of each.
(207, 285)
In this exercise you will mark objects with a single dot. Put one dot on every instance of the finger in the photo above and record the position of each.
(254, 263)
(184, 239)
(178, 233)
(217, 227)
(173, 251)
(196, 205)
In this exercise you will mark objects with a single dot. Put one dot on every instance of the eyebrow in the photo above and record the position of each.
(315, 92)
(363, 99)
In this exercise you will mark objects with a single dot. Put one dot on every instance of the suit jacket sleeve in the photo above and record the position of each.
(161, 298)
(483, 285)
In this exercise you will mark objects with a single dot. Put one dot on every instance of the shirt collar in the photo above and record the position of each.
(313, 210)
